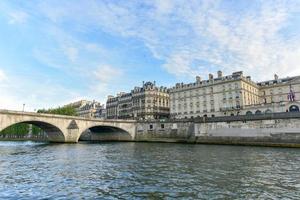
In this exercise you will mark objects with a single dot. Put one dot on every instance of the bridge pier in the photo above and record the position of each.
(72, 136)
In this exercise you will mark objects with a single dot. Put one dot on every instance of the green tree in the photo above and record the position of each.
(21, 129)
(65, 110)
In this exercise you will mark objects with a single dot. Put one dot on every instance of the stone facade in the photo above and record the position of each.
(150, 102)
(146, 102)
(235, 94)
(112, 107)
(89, 109)
(275, 96)
(224, 95)
(125, 106)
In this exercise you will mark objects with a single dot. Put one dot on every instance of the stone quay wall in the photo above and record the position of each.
(282, 129)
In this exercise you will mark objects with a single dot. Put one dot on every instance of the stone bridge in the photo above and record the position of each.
(60, 128)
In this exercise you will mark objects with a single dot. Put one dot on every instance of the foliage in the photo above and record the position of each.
(21, 129)
(65, 110)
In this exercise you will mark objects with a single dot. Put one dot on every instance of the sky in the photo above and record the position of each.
(53, 52)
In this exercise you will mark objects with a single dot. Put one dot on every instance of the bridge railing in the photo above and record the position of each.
(34, 114)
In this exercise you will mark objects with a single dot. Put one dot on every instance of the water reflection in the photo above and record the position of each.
(147, 171)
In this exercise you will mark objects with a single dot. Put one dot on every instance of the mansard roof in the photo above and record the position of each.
(280, 81)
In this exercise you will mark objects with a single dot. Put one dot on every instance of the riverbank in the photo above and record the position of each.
(258, 131)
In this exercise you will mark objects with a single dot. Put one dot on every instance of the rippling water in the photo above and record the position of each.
(147, 171)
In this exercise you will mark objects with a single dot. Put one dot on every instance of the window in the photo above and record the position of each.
(294, 108)
(268, 111)
(258, 112)
(162, 126)
(151, 126)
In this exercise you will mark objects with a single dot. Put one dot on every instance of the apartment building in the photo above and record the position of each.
(220, 96)
(112, 107)
(146, 102)
(150, 102)
(234, 94)
(125, 106)
(88, 109)
(277, 95)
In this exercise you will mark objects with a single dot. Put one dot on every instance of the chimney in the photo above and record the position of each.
(220, 74)
(198, 79)
(211, 77)
(276, 77)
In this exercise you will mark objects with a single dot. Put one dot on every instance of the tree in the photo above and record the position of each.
(21, 129)
(65, 110)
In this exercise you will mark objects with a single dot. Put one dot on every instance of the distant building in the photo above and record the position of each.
(88, 109)
(112, 107)
(223, 95)
(234, 94)
(146, 102)
(100, 113)
(277, 95)
(125, 106)
(150, 102)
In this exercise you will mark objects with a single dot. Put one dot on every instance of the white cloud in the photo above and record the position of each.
(163, 7)
(71, 53)
(190, 37)
(3, 76)
(17, 17)
(106, 74)
(202, 36)
(34, 96)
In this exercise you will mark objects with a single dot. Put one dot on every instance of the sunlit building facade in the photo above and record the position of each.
(88, 109)
(220, 96)
(277, 95)
(146, 102)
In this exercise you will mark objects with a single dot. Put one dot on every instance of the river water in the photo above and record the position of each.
(31, 170)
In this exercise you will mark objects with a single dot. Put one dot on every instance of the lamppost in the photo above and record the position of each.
(23, 107)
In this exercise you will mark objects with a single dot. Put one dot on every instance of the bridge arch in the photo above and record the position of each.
(54, 134)
(103, 132)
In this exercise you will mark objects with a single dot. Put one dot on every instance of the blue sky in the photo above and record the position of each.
(54, 52)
